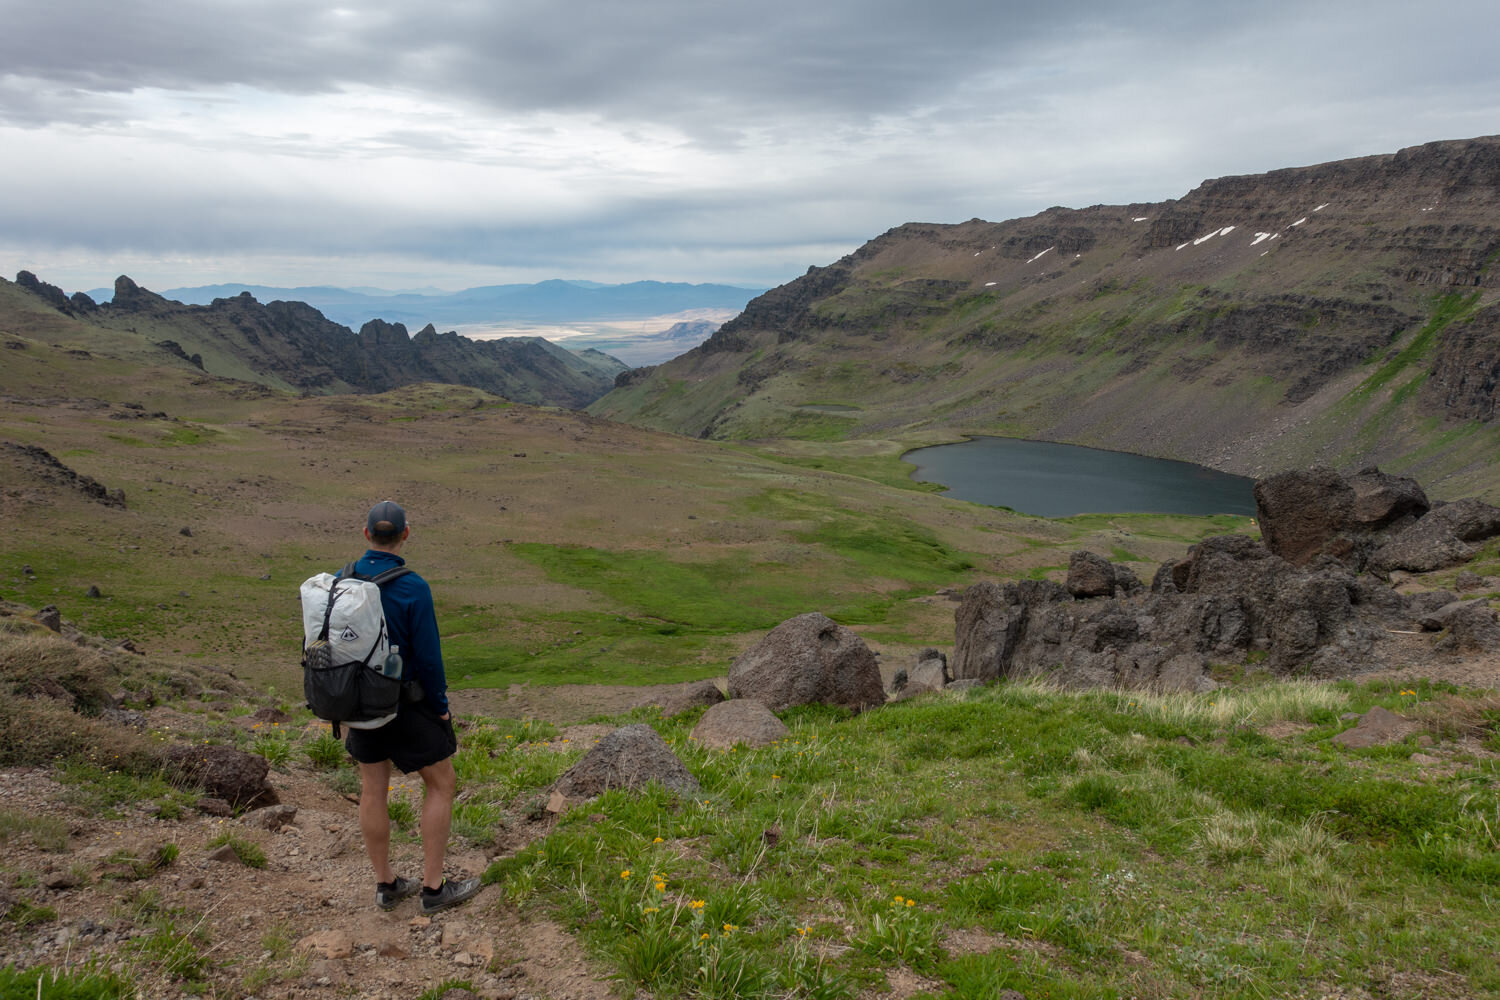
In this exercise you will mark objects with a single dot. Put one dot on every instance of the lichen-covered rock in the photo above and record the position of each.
(810, 659)
(630, 757)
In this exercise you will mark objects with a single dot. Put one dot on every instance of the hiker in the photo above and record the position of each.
(420, 738)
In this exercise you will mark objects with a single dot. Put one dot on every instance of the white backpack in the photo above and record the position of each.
(350, 673)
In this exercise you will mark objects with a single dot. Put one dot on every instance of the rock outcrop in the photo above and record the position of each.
(1298, 597)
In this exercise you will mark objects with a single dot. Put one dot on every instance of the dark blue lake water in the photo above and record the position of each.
(1060, 480)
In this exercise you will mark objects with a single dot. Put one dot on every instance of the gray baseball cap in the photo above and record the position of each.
(386, 518)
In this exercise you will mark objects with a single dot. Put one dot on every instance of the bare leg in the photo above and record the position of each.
(375, 817)
(437, 817)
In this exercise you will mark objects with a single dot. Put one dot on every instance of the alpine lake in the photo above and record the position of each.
(1061, 480)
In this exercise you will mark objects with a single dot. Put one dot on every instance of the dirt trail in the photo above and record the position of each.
(305, 925)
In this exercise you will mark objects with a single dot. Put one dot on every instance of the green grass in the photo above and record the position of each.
(52, 983)
(1097, 841)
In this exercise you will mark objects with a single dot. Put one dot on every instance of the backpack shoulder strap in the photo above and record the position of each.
(386, 576)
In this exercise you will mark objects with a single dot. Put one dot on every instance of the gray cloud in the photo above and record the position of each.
(523, 134)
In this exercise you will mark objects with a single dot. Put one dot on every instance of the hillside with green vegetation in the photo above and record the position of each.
(1343, 314)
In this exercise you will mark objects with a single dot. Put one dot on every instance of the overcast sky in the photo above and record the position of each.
(465, 142)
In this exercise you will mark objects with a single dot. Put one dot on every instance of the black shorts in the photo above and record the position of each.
(417, 737)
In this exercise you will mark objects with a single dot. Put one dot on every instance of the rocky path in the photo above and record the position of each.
(304, 925)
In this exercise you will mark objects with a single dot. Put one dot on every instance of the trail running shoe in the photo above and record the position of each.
(387, 896)
(450, 894)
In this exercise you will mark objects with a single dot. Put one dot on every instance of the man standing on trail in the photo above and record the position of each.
(420, 738)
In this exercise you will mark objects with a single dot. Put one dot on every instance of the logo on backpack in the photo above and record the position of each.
(345, 679)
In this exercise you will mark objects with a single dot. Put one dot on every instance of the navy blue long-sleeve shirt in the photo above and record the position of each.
(412, 622)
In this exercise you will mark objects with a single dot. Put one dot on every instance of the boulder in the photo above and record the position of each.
(630, 757)
(679, 699)
(1303, 513)
(1472, 628)
(1422, 604)
(1307, 513)
(805, 660)
(1436, 619)
(1090, 575)
(1381, 500)
(1429, 544)
(235, 776)
(1468, 581)
(740, 721)
(1126, 582)
(1470, 520)
(930, 671)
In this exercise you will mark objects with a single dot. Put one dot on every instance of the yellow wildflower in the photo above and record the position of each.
(696, 904)
(625, 873)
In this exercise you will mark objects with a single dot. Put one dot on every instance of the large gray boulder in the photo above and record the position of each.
(1428, 545)
(810, 659)
(1444, 537)
(630, 757)
(742, 721)
(1303, 513)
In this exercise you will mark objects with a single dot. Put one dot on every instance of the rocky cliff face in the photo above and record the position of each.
(293, 345)
(1316, 313)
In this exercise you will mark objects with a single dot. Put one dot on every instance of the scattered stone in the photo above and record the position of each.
(185, 531)
(224, 853)
(1376, 727)
(270, 818)
(50, 617)
(630, 757)
(214, 807)
(331, 943)
(809, 659)
(684, 697)
(930, 670)
(1468, 581)
(740, 721)
(93, 592)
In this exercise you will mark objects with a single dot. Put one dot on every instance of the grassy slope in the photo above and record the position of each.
(560, 547)
(1101, 350)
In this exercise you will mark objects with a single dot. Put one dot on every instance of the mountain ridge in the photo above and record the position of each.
(552, 301)
(1343, 312)
(291, 345)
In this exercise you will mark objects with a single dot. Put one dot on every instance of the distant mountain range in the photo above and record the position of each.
(554, 301)
(290, 345)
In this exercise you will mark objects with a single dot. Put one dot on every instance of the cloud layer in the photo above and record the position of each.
(383, 142)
